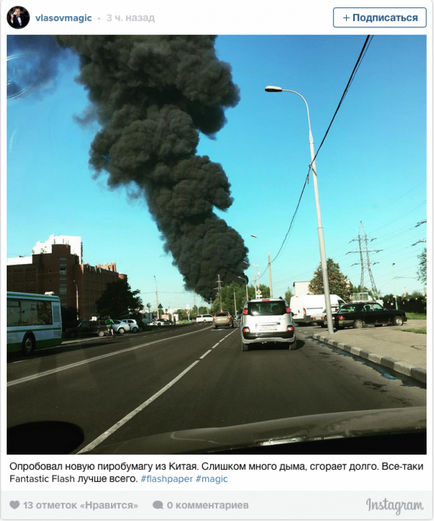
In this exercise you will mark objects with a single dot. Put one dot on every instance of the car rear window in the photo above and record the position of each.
(221, 314)
(348, 308)
(266, 308)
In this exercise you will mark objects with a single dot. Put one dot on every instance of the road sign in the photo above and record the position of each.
(258, 293)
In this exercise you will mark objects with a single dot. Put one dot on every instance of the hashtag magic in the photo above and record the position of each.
(184, 479)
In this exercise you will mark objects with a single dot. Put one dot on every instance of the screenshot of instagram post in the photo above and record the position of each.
(216, 251)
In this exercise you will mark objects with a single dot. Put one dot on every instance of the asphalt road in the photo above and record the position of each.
(190, 377)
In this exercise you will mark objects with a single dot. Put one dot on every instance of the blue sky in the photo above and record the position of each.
(372, 167)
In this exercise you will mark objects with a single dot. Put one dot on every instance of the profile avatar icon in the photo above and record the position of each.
(18, 17)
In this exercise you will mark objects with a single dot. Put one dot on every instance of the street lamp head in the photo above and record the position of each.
(273, 88)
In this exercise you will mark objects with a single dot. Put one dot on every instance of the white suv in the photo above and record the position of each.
(267, 320)
(204, 318)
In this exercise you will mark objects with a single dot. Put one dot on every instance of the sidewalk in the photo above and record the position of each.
(388, 346)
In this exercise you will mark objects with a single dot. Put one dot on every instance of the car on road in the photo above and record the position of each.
(223, 319)
(161, 322)
(134, 326)
(120, 327)
(320, 318)
(204, 318)
(267, 321)
(88, 328)
(358, 315)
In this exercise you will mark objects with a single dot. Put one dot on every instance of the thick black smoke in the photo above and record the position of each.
(153, 94)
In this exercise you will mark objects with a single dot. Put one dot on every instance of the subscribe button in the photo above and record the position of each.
(381, 17)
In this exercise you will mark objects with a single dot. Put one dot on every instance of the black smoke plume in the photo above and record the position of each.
(152, 95)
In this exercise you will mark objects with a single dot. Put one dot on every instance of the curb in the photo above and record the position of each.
(418, 373)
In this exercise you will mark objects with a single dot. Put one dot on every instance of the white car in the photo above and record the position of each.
(204, 318)
(134, 327)
(120, 327)
(267, 320)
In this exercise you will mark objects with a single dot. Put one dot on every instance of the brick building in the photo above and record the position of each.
(78, 285)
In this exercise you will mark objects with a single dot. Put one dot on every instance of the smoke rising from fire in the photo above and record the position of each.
(152, 95)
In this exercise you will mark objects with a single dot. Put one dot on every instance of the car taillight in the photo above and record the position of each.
(246, 330)
(290, 328)
(340, 317)
(288, 310)
(304, 312)
(265, 300)
(245, 311)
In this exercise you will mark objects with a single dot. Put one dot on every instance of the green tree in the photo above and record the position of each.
(228, 301)
(182, 314)
(421, 272)
(118, 300)
(339, 284)
(288, 295)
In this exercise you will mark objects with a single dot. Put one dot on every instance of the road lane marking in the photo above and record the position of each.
(136, 411)
(128, 417)
(96, 358)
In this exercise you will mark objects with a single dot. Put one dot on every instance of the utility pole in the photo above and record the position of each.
(219, 288)
(269, 276)
(235, 304)
(394, 285)
(156, 296)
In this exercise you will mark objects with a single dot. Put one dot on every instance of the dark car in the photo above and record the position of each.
(367, 313)
(88, 328)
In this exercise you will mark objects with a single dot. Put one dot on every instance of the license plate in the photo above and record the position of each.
(268, 328)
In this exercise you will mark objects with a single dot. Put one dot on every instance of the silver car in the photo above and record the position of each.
(134, 327)
(267, 320)
(120, 327)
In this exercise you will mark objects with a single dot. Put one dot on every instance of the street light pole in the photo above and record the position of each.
(255, 275)
(269, 263)
(394, 286)
(247, 291)
(318, 211)
(76, 300)
(156, 296)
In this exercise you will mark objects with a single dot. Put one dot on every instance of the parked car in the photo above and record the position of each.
(319, 318)
(134, 326)
(120, 327)
(367, 313)
(88, 328)
(223, 318)
(204, 318)
(267, 321)
(161, 322)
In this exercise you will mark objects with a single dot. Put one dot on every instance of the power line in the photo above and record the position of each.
(350, 81)
(293, 217)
